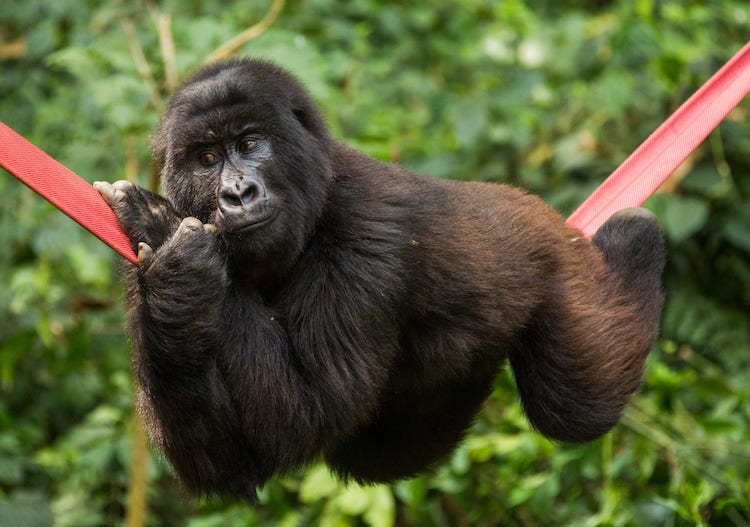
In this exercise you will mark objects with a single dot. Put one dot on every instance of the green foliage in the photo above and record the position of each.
(547, 95)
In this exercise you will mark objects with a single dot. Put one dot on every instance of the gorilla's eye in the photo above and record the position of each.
(207, 158)
(246, 145)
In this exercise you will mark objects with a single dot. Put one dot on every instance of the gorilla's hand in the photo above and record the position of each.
(145, 217)
(184, 284)
(192, 248)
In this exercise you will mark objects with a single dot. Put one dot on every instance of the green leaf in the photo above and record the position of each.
(319, 483)
(382, 509)
(737, 227)
(679, 216)
(472, 118)
(525, 488)
(353, 500)
(11, 470)
(25, 510)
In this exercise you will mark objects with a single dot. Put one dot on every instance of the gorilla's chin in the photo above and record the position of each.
(254, 244)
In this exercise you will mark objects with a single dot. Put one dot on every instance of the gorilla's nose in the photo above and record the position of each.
(240, 193)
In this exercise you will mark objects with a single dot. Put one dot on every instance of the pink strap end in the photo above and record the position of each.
(651, 164)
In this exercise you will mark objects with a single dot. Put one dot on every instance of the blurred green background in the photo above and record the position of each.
(548, 95)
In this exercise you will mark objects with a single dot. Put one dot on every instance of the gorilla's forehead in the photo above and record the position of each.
(223, 89)
(226, 104)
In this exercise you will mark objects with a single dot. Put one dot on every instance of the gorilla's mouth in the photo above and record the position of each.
(248, 222)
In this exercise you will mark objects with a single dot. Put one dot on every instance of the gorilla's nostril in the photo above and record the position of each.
(240, 193)
(231, 199)
(250, 194)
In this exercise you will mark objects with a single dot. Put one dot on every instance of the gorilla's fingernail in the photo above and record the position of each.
(209, 227)
(192, 224)
(121, 184)
(144, 252)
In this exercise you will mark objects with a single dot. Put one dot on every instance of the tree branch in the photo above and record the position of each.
(141, 64)
(234, 44)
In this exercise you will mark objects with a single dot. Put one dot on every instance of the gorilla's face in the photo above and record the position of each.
(249, 156)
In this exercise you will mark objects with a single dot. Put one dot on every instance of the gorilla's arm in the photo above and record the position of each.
(176, 301)
(235, 389)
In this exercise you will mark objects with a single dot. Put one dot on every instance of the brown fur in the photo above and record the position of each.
(352, 309)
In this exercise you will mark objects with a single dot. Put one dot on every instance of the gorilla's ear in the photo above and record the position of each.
(310, 119)
(301, 116)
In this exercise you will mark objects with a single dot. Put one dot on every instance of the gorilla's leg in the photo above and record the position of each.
(413, 430)
(581, 359)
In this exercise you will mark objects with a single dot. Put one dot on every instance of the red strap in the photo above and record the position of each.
(647, 168)
(628, 186)
(64, 189)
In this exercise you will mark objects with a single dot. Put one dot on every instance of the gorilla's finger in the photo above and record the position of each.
(106, 190)
(190, 224)
(145, 253)
(113, 193)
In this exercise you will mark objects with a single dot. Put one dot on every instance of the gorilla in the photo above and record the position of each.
(296, 299)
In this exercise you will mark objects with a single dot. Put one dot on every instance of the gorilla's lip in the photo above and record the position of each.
(252, 224)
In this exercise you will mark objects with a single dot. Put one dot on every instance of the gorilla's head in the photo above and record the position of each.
(243, 146)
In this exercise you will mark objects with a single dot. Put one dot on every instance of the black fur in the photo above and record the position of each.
(352, 309)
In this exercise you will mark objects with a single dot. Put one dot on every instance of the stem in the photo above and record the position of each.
(135, 515)
(233, 45)
(141, 64)
(163, 22)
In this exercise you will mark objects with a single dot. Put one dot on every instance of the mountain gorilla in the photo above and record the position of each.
(297, 299)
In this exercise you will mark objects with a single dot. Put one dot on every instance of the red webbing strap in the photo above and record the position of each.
(628, 186)
(647, 168)
(63, 188)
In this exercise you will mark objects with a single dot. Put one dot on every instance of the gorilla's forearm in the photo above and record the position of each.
(209, 350)
(176, 298)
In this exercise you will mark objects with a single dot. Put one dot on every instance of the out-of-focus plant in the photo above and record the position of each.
(547, 95)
